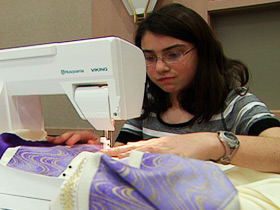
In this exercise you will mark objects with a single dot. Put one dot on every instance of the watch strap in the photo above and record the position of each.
(230, 149)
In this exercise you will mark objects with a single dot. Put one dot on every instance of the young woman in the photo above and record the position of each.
(193, 94)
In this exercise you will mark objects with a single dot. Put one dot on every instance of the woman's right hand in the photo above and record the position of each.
(72, 137)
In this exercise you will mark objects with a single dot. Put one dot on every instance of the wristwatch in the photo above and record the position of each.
(231, 144)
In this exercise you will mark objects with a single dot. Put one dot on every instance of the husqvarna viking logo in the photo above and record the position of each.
(75, 71)
(80, 71)
(99, 69)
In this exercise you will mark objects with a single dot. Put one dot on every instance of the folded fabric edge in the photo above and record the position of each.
(135, 159)
(8, 155)
(75, 190)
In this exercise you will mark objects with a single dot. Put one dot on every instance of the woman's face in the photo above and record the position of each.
(170, 77)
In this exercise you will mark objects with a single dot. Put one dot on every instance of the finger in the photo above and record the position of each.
(50, 138)
(136, 143)
(91, 142)
(60, 139)
(127, 154)
(124, 155)
(56, 140)
(94, 141)
(67, 135)
(116, 151)
(75, 138)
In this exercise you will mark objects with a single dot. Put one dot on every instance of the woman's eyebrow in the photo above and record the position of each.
(165, 49)
(173, 46)
(148, 51)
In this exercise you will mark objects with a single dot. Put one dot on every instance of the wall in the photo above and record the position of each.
(39, 21)
(32, 22)
(110, 18)
(118, 22)
(252, 36)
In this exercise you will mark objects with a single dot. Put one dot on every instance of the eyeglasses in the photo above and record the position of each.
(169, 57)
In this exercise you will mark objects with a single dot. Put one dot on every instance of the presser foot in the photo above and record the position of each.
(106, 142)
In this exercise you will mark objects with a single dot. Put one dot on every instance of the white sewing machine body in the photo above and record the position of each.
(103, 78)
(20, 190)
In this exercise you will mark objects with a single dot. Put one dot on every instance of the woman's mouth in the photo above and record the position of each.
(166, 79)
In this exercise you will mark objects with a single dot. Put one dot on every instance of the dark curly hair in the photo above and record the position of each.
(216, 75)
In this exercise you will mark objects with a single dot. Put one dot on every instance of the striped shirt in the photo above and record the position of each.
(243, 115)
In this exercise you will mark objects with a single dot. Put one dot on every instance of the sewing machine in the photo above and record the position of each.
(103, 79)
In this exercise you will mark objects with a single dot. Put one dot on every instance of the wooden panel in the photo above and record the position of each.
(110, 18)
(277, 113)
(199, 6)
(230, 4)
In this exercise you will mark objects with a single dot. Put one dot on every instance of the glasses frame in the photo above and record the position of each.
(165, 59)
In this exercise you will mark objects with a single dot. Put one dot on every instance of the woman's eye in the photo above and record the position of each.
(149, 58)
(174, 55)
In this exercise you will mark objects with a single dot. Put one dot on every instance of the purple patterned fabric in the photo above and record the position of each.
(162, 181)
(41, 157)
(11, 140)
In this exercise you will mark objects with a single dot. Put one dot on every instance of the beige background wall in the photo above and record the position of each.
(32, 22)
(42, 21)
(253, 36)
(118, 22)
(39, 21)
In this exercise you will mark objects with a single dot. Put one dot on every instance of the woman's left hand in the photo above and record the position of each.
(196, 145)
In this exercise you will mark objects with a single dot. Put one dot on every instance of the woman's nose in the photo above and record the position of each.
(161, 66)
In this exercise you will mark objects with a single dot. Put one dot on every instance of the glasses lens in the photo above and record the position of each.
(170, 57)
(173, 57)
(150, 60)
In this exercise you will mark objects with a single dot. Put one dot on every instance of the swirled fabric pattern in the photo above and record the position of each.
(162, 181)
(50, 161)
(41, 157)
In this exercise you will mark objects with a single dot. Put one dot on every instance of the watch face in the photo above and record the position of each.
(232, 139)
